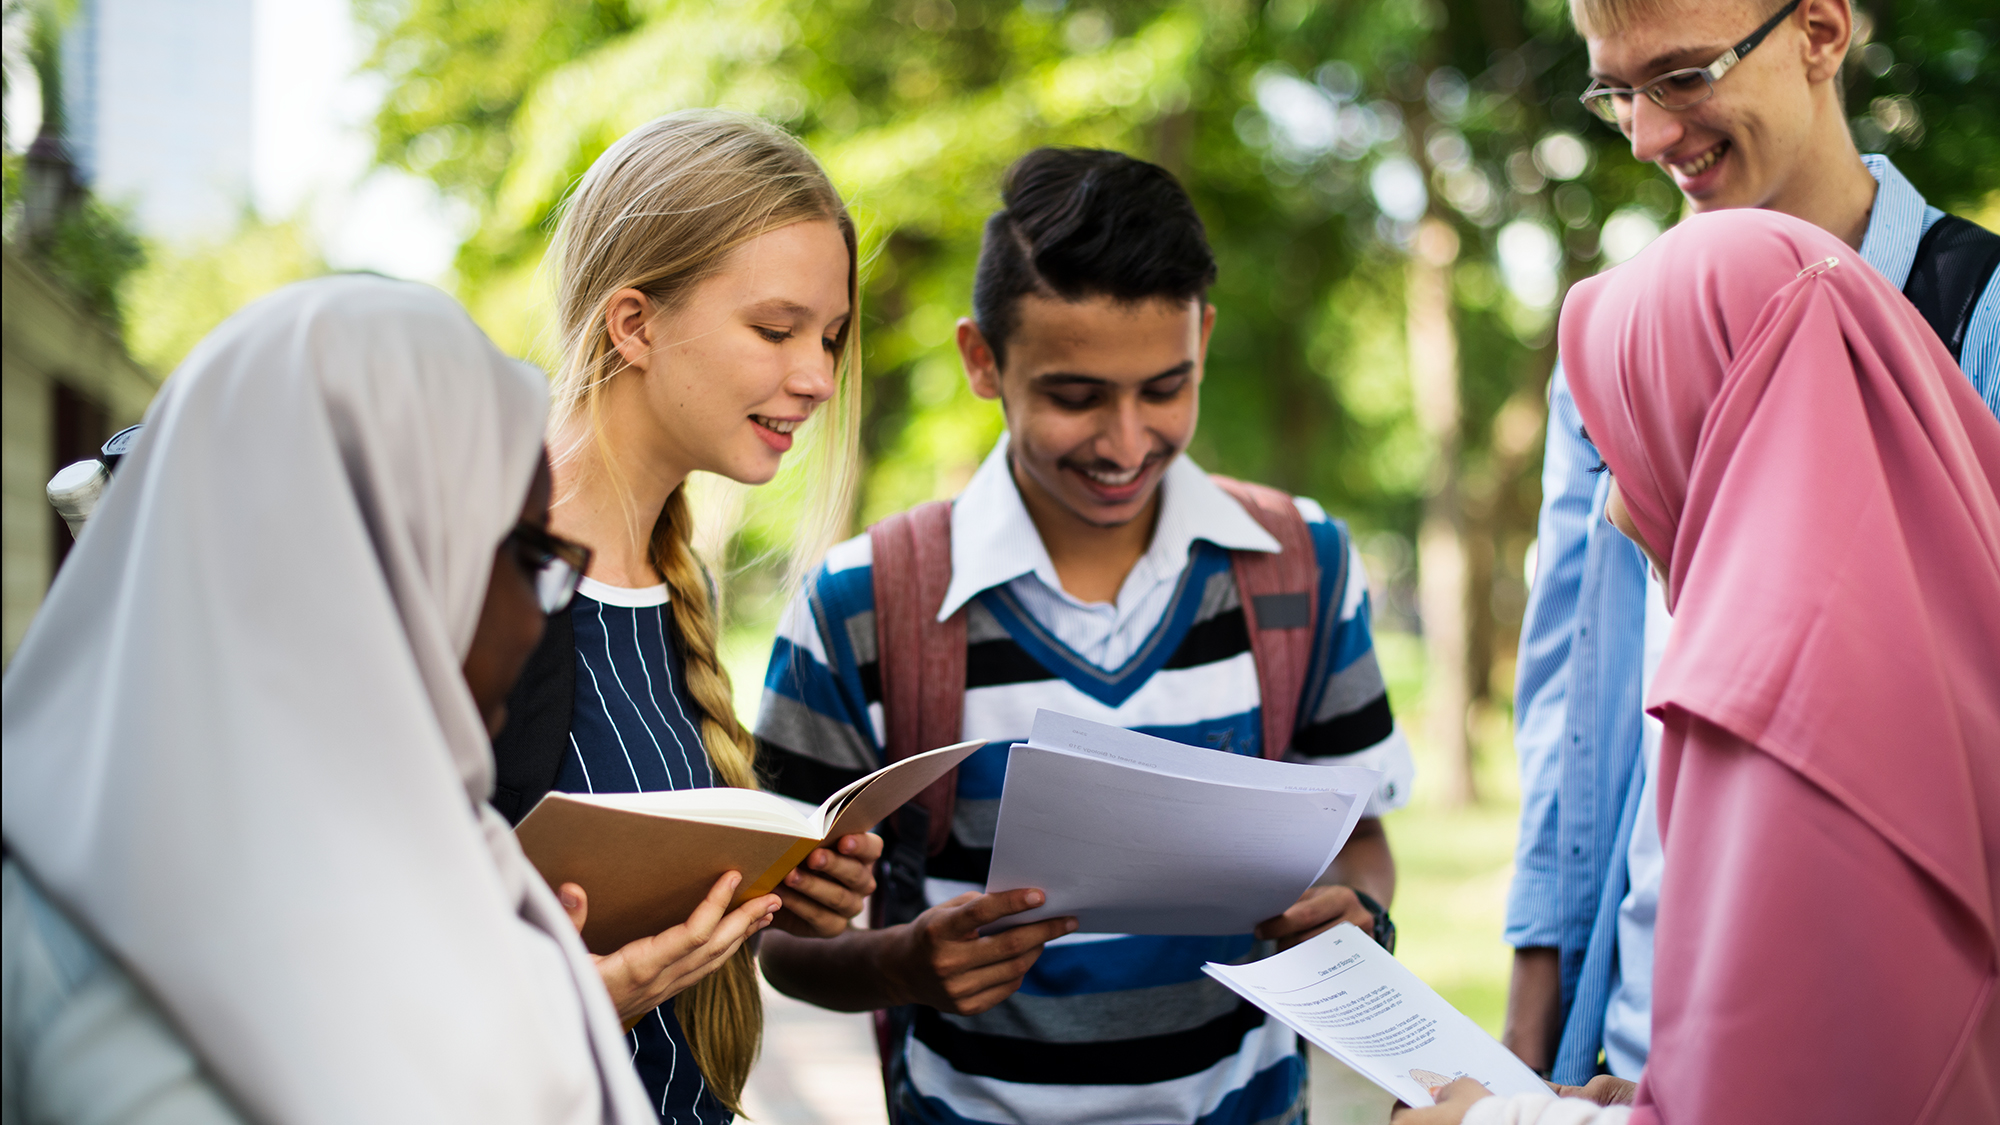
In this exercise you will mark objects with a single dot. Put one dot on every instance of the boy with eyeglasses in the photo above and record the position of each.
(1740, 104)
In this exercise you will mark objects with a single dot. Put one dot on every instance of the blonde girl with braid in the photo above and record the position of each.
(707, 288)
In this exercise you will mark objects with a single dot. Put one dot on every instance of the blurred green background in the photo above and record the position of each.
(1375, 174)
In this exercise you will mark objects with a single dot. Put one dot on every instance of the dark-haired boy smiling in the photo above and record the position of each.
(1093, 564)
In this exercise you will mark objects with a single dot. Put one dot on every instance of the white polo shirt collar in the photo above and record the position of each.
(993, 540)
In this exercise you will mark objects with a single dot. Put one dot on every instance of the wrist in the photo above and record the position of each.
(1383, 930)
(894, 956)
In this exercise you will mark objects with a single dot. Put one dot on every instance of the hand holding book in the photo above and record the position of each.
(828, 889)
(646, 972)
(650, 860)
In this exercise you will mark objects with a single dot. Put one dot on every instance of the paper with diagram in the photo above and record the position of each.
(1354, 1001)
(1134, 834)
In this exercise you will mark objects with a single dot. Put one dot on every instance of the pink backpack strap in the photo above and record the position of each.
(1280, 606)
(921, 659)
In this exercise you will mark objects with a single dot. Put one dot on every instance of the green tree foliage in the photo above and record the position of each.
(1312, 135)
(184, 291)
(86, 245)
(1923, 87)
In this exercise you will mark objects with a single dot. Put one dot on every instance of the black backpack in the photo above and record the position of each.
(1954, 262)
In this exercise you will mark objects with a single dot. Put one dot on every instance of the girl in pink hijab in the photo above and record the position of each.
(1815, 482)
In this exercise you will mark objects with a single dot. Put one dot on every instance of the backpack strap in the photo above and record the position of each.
(1280, 606)
(921, 660)
(1955, 261)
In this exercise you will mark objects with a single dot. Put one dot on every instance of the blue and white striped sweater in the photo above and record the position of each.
(1105, 1027)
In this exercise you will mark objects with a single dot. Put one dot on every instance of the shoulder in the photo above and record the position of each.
(845, 582)
(1332, 543)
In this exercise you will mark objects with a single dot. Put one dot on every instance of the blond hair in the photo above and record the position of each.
(1609, 17)
(661, 211)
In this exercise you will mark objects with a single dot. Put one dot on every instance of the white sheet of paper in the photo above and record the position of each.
(1354, 1001)
(1138, 835)
(1056, 731)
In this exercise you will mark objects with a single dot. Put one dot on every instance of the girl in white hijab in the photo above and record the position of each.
(240, 750)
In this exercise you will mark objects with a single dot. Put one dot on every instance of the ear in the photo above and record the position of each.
(628, 317)
(1829, 28)
(1207, 330)
(981, 370)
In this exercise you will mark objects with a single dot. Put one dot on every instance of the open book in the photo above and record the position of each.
(1354, 1001)
(647, 859)
(1133, 834)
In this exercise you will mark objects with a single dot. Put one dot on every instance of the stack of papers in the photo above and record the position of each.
(1132, 834)
(1354, 1001)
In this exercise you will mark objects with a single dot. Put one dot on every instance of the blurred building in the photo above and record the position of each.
(156, 119)
(66, 384)
(157, 102)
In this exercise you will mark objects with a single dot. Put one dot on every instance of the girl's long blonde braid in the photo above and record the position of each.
(724, 1011)
(659, 212)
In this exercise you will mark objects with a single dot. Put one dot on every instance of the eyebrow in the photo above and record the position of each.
(1071, 378)
(1676, 59)
(780, 306)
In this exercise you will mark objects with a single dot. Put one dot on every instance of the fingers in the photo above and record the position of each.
(743, 921)
(1026, 939)
(831, 891)
(853, 874)
(575, 903)
(1463, 1091)
(686, 950)
(865, 847)
(989, 999)
(713, 906)
(805, 917)
(966, 974)
(1608, 1089)
(977, 980)
(963, 920)
(1316, 911)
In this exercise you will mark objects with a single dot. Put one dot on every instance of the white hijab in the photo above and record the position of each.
(239, 749)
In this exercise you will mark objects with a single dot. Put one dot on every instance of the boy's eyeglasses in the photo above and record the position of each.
(555, 565)
(1677, 89)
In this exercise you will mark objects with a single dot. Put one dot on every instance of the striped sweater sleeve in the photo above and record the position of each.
(1344, 712)
(819, 723)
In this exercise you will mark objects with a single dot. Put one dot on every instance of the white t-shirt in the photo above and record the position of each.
(1628, 1020)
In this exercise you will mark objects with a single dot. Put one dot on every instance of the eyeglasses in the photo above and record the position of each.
(555, 565)
(1677, 89)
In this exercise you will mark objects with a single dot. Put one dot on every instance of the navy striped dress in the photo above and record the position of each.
(636, 730)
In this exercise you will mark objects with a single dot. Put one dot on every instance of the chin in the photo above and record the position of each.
(754, 466)
(1107, 516)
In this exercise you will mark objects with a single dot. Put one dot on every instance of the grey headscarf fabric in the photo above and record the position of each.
(240, 752)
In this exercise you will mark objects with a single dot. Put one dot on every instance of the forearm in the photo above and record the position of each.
(1534, 1007)
(1365, 863)
(844, 974)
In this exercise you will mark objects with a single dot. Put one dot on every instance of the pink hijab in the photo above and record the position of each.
(1790, 436)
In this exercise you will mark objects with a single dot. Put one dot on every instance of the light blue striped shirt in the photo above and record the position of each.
(1577, 693)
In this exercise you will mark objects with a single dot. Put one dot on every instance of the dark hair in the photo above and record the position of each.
(1084, 222)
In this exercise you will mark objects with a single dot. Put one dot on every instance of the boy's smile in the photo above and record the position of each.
(1100, 397)
(1738, 148)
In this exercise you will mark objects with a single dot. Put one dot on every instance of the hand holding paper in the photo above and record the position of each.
(1354, 1001)
(1138, 835)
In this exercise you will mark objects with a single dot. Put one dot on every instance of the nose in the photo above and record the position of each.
(1654, 130)
(1125, 440)
(814, 378)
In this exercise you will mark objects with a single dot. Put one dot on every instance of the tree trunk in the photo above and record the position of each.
(1442, 571)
